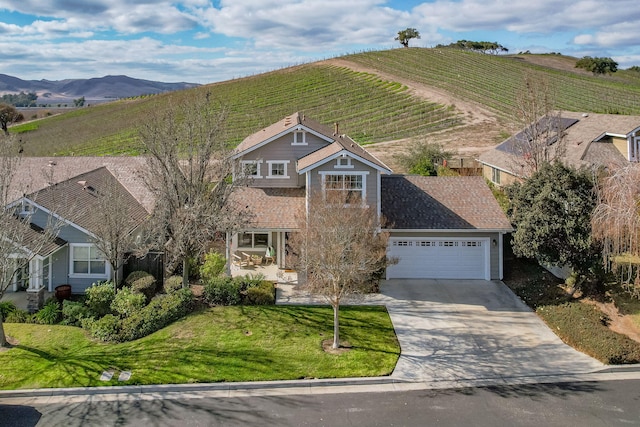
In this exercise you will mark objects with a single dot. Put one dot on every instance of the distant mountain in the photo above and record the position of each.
(95, 89)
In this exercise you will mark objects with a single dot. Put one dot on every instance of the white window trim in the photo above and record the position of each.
(26, 208)
(107, 266)
(349, 165)
(496, 172)
(286, 169)
(253, 242)
(296, 133)
(245, 163)
(364, 174)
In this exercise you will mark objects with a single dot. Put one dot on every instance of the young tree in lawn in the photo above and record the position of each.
(616, 223)
(340, 248)
(20, 241)
(405, 35)
(189, 172)
(542, 139)
(551, 212)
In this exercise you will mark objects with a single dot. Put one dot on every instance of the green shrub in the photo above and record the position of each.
(135, 275)
(161, 311)
(73, 312)
(19, 316)
(49, 314)
(6, 308)
(213, 266)
(99, 297)
(583, 326)
(222, 291)
(263, 294)
(127, 302)
(172, 284)
(107, 328)
(145, 285)
(249, 281)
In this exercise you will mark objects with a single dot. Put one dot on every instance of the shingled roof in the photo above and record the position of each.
(37, 173)
(413, 202)
(583, 135)
(33, 241)
(335, 142)
(79, 198)
(271, 208)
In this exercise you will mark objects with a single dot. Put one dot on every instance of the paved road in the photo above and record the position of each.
(607, 403)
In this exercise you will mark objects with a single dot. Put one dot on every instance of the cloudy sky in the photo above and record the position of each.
(204, 41)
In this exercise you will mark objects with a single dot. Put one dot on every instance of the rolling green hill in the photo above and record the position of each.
(368, 107)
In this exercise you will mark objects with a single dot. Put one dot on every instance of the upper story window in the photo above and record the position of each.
(344, 163)
(299, 138)
(277, 168)
(350, 186)
(251, 168)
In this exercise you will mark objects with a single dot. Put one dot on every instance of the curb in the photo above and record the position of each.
(204, 387)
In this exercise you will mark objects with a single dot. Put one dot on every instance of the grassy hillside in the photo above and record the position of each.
(494, 81)
(369, 108)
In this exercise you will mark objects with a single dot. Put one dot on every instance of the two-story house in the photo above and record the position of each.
(439, 227)
(589, 140)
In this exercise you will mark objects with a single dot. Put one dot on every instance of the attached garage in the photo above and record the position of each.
(443, 227)
(440, 258)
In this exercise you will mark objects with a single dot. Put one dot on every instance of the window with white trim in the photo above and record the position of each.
(277, 169)
(350, 186)
(251, 168)
(344, 162)
(253, 239)
(495, 175)
(299, 138)
(87, 260)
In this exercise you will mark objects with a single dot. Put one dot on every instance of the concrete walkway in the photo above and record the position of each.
(466, 330)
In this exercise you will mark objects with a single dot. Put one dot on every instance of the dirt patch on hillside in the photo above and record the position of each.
(481, 129)
(617, 322)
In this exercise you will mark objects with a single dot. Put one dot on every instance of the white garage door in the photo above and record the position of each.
(439, 258)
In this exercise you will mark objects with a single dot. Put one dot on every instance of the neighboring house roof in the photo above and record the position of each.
(79, 198)
(583, 135)
(336, 142)
(412, 202)
(271, 208)
(33, 241)
(37, 173)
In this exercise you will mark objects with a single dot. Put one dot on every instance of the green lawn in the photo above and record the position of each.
(248, 343)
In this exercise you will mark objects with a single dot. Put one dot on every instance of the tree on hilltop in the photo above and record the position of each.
(405, 35)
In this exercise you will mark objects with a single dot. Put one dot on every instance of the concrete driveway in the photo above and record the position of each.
(453, 330)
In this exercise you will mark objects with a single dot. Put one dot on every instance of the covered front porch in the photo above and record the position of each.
(271, 272)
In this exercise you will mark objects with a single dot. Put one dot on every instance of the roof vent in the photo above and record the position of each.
(585, 115)
(52, 163)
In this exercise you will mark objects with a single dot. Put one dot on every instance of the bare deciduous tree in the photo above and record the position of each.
(542, 138)
(340, 248)
(115, 231)
(20, 241)
(189, 171)
(616, 223)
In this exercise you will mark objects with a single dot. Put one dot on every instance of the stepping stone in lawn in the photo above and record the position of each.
(124, 376)
(106, 375)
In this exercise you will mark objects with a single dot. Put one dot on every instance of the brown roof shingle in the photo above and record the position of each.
(79, 198)
(413, 202)
(271, 208)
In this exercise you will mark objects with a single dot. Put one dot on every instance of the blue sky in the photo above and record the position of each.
(204, 41)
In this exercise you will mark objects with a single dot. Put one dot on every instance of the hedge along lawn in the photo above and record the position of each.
(244, 343)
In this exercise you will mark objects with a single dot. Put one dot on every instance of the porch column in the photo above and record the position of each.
(35, 274)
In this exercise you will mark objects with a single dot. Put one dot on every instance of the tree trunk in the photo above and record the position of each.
(185, 273)
(3, 337)
(336, 326)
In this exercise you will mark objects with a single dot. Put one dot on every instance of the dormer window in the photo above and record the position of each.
(299, 138)
(344, 162)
